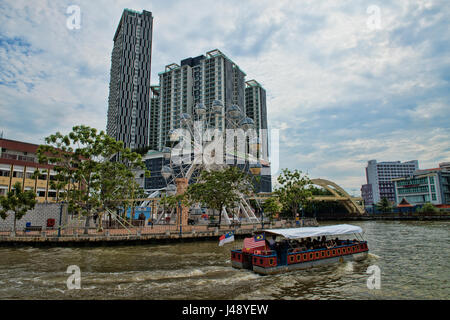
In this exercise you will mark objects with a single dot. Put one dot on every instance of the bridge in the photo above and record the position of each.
(352, 204)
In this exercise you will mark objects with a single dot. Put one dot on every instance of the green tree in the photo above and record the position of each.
(294, 190)
(428, 208)
(271, 207)
(95, 172)
(172, 202)
(384, 205)
(218, 189)
(319, 191)
(17, 201)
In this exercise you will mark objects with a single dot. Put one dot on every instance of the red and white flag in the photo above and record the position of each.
(254, 242)
(227, 237)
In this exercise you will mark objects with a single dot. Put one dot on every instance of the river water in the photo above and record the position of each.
(414, 259)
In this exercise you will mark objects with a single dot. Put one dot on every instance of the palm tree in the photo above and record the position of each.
(384, 205)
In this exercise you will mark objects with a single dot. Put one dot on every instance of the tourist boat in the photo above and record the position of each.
(286, 255)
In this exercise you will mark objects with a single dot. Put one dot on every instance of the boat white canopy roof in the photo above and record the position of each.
(296, 233)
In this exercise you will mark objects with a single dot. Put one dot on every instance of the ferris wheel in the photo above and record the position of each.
(199, 144)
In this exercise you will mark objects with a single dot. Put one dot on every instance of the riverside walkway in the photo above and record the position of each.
(137, 235)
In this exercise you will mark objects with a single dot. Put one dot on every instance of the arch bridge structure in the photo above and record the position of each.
(352, 204)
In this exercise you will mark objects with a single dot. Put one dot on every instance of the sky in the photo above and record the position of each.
(346, 81)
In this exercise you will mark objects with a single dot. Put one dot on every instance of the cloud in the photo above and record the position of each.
(340, 92)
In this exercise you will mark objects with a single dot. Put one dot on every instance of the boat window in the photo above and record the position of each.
(261, 261)
(343, 250)
(311, 256)
(271, 261)
(323, 253)
(305, 257)
(291, 258)
(317, 254)
(334, 252)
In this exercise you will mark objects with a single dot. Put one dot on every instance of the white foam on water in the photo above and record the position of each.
(142, 276)
(16, 281)
(373, 256)
(88, 288)
(56, 289)
(348, 266)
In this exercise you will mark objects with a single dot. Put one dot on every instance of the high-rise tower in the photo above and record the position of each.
(202, 79)
(129, 87)
(256, 109)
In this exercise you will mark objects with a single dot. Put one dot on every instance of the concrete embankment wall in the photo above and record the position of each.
(138, 237)
(385, 217)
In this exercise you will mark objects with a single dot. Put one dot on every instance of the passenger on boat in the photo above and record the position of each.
(302, 245)
(297, 246)
(314, 243)
(330, 244)
(309, 244)
(272, 243)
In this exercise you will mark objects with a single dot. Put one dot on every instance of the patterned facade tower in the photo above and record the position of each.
(154, 118)
(129, 88)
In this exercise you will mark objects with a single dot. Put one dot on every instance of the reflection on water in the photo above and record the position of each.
(413, 257)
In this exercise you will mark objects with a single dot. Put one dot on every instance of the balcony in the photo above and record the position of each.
(17, 157)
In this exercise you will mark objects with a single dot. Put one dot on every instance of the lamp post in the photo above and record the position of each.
(60, 218)
(180, 210)
(262, 217)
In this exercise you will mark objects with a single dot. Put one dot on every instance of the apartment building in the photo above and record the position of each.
(18, 163)
(256, 109)
(201, 79)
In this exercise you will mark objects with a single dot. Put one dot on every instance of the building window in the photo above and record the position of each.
(4, 173)
(41, 193)
(52, 194)
(17, 174)
(29, 175)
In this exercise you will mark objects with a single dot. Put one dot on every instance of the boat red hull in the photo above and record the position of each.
(269, 264)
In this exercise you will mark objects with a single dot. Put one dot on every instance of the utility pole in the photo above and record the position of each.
(60, 218)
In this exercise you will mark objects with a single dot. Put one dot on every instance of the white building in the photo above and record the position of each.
(424, 186)
(379, 177)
